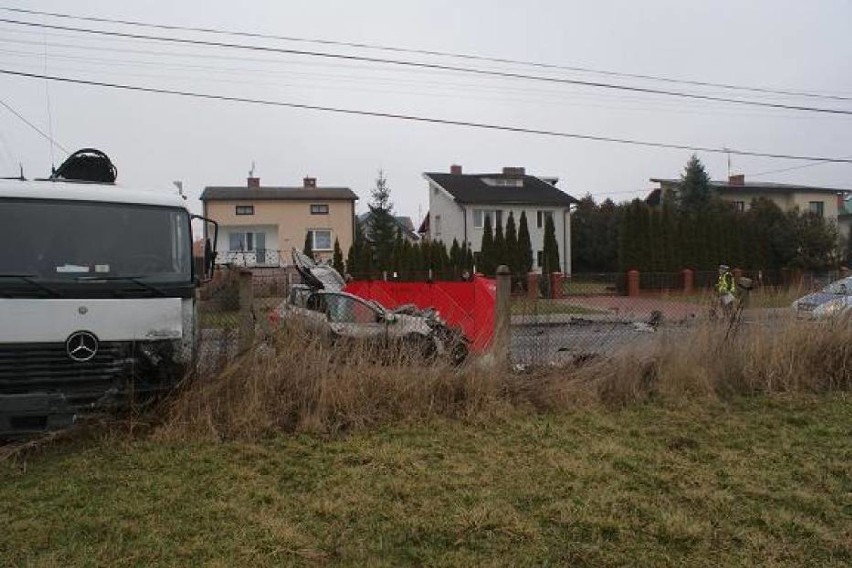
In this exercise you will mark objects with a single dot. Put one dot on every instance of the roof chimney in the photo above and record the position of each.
(310, 183)
(738, 179)
(514, 172)
(456, 170)
(253, 182)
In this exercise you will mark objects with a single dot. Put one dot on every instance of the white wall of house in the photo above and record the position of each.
(446, 217)
(452, 217)
(561, 222)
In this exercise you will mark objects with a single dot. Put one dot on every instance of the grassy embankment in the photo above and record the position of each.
(704, 453)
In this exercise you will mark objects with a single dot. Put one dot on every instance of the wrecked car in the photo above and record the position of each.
(322, 307)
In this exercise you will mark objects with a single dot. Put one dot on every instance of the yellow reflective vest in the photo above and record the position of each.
(725, 284)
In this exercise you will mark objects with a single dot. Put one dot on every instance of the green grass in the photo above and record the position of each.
(225, 319)
(765, 481)
(230, 319)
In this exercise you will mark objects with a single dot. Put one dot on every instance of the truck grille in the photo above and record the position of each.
(29, 368)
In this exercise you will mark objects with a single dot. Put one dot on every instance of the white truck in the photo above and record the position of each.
(97, 298)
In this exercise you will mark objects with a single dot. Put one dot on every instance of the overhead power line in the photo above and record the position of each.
(423, 119)
(432, 66)
(420, 87)
(33, 126)
(799, 167)
(433, 53)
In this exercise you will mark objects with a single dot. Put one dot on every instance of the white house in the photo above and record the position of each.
(459, 204)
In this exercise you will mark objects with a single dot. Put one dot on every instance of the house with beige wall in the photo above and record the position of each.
(824, 201)
(259, 225)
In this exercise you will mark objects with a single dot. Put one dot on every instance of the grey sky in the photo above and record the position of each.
(155, 139)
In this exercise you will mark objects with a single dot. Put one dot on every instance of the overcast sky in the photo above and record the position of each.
(155, 139)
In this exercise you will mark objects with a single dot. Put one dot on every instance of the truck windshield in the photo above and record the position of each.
(79, 241)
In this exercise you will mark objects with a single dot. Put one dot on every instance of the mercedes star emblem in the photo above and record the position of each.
(81, 346)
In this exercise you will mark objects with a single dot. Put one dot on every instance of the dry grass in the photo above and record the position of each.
(295, 383)
(772, 356)
(298, 383)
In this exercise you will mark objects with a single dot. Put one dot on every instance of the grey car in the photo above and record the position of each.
(834, 299)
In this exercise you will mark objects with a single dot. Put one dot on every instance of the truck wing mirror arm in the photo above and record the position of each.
(209, 246)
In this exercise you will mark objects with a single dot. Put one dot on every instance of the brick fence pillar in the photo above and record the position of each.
(633, 283)
(556, 292)
(688, 281)
(532, 285)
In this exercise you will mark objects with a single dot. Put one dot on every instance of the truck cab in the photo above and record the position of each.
(97, 298)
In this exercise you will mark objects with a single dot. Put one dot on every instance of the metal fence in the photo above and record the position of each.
(591, 324)
(591, 316)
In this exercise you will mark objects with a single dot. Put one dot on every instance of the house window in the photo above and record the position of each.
(539, 258)
(319, 209)
(247, 241)
(437, 225)
(245, 209)
(739, 206)
(320, 239)
(541, 218)
(816, 207)
(479, 216)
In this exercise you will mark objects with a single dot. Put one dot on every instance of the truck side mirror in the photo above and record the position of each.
(211, 235)
(209, 260)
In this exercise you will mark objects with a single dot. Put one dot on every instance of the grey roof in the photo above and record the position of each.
(403, 222)
(765, 186)
(406, 222)
(470, 188)
(220, 193)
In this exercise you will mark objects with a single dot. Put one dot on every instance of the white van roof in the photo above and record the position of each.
(104, 193)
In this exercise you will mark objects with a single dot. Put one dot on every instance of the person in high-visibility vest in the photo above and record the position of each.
(726, 289)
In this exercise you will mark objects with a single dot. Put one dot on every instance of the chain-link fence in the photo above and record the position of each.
(587, 315)
(234, 306)
(577, 327)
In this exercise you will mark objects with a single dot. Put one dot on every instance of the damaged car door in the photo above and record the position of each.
(354, 319)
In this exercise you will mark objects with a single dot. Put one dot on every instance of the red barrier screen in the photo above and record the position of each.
(466, 305)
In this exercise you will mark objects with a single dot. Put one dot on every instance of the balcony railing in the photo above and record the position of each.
(264, 257)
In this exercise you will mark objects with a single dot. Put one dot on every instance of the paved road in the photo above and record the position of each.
(556, 344)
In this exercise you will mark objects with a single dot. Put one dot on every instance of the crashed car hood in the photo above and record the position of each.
(317, 276)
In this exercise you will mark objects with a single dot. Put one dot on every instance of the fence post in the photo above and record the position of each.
(556, 286)
(688, 281)
(246, 295)
(532, 286)
(633, 283)
(503, 316)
